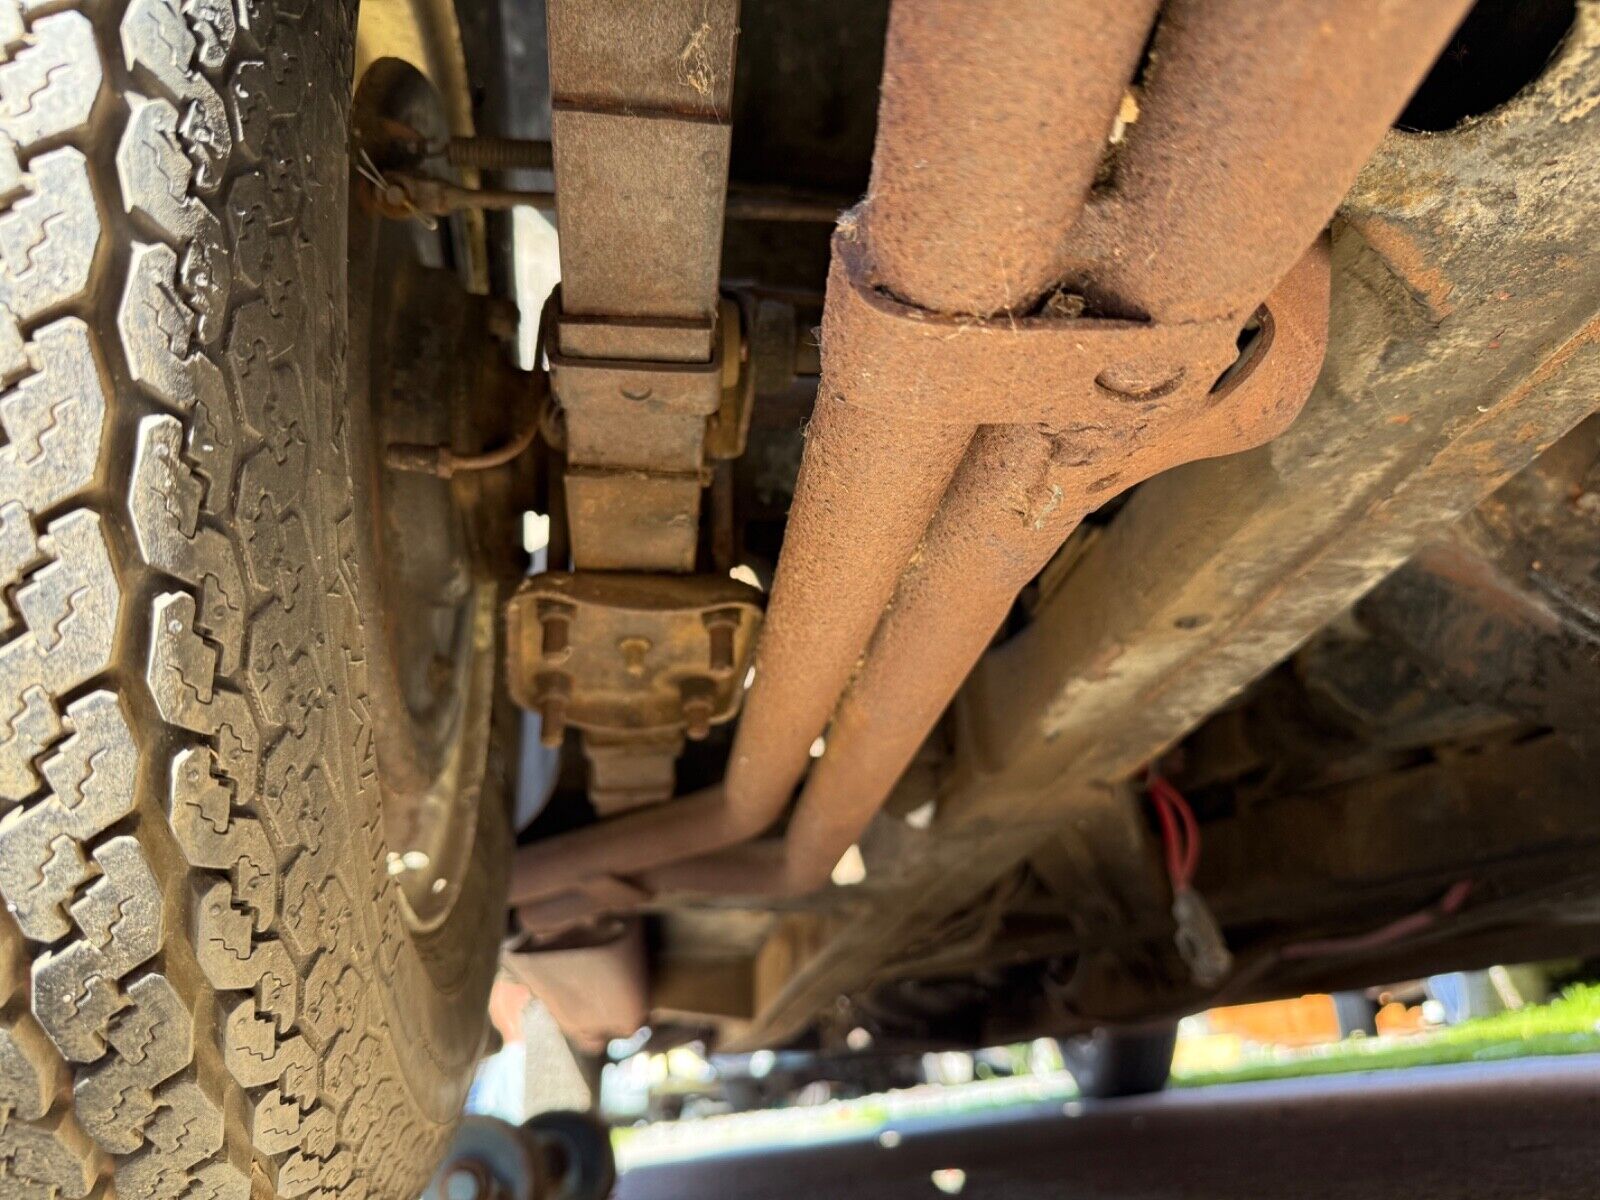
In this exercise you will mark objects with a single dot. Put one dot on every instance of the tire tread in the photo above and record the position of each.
(183, 1012)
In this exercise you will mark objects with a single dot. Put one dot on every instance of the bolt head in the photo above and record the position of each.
(633, 650)
(1140, 380)
(697, 712)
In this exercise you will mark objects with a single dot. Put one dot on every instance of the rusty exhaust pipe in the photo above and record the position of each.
(856, 464)
(1028, 93)
(961, 223)
(1017, 495)
(996, 527)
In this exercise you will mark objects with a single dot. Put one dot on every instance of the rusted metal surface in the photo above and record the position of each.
(728, 428)
(624, 517)
(641, 96)
(869, 485)
(635, 438)
(484, 153)
(1252, 166)
(618, 652)
(594, 992)
(1452, 363)
(628, 770)
(1019, 492)
(1301, 875)
(407, 194)
(1303, 878)
(1482, 633)
(720, 989)
(1044, 369)
(1119, 395)
(645, 249)
(1308, 829)
(401, 178)
(1505, 611)
(832, 585)
(640, 134)
(993, 119)
(501, 385)
(627, 413)
(1405, 835)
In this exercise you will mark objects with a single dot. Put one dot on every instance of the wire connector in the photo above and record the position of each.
(1199, 939)
(1198, 936)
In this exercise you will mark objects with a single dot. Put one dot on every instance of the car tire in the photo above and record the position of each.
(210, 987)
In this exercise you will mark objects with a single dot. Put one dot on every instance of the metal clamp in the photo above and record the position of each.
(638, 430)
(636, 412)
(634, 654)
(916, 365)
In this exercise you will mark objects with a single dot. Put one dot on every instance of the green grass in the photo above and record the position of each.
(1570, 1024)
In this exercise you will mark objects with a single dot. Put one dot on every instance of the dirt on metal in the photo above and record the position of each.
(1182, 603)
(1019, 492)
(957, 228)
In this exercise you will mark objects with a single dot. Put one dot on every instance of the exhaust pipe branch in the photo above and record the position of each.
(973, 408)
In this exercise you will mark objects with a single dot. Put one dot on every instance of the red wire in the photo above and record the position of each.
(1192, 828)
(1180, 831)
(1407, 926)
(1170, 836)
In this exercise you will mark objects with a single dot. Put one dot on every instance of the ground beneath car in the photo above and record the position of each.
(1524, 1128)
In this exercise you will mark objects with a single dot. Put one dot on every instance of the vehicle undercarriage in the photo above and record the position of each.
(795, 526)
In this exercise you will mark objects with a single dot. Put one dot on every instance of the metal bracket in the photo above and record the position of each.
(917, 365)
(635, 654)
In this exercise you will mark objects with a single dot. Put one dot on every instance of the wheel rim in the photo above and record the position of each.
(431, 672)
